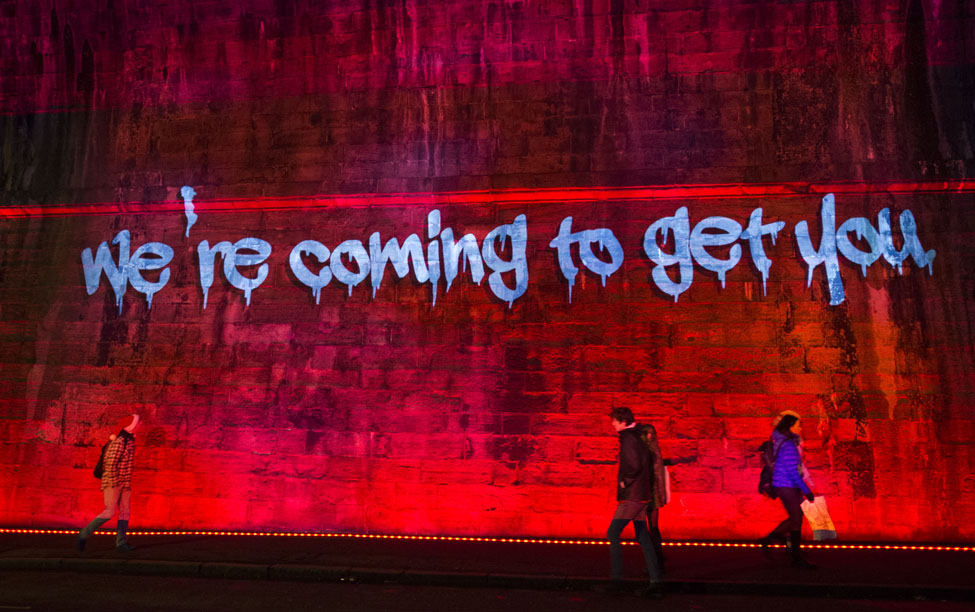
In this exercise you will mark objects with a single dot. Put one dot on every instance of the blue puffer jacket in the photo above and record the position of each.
(788, 464)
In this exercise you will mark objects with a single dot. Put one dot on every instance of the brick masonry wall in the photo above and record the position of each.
(389, 414)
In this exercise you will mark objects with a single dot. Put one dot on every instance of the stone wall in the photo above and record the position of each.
(386, 413)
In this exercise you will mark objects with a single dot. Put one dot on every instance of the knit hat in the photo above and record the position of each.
(128, 423)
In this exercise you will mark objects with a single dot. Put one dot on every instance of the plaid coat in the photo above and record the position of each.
(119, 457)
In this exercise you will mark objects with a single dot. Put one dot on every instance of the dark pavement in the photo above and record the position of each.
(943, 575)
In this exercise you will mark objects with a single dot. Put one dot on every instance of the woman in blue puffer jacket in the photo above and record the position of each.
(788, 485)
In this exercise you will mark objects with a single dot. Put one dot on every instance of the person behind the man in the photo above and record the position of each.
(661, 489)
(634, 489)
(116, 484)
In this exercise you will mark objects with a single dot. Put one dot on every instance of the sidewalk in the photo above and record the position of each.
(847, 573)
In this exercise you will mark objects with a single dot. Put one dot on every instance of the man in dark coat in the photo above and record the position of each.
(634, 490)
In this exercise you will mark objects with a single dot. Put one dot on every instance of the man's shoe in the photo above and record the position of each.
(124, 547)
(654, 591)
(614, 586)
(801, 563)
(81, 544)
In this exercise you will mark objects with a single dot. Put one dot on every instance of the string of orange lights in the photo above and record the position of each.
(500, 540)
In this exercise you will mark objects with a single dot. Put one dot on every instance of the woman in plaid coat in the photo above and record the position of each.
(116, 483)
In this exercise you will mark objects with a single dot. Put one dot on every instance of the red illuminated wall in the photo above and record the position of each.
(296, 121)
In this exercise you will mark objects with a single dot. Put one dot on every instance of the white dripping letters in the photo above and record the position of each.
(425, 265)
(668, 242)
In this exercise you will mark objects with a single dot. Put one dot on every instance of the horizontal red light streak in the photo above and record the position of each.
(507, 196)
(365, 536)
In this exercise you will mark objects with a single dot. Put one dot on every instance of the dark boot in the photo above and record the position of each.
(797, 561)
(121, 544)
(768, 541)
(85, 533)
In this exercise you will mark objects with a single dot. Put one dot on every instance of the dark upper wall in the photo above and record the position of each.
(109, 101)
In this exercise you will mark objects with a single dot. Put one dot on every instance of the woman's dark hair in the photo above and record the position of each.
(786, 424)
(648, 433)
(126, 437)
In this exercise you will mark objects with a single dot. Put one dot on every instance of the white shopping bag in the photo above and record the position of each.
(666, 485)
(818, 517)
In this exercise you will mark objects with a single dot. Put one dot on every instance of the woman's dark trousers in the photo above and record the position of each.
(791, 527)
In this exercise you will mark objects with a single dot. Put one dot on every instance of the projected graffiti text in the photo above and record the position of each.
(671, 244)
